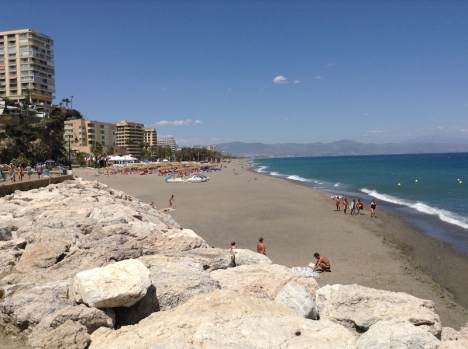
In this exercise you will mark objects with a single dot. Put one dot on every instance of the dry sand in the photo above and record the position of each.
(297, 220)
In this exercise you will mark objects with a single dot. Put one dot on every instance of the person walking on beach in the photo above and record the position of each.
(39, 169)
(171, 201)
(20, 172)
(29, 170)
(345, 205)
(338, 203)
(322, 263)
(373, 208)
(12, 172)
(352, 206)
(359, 206)
(261, 247)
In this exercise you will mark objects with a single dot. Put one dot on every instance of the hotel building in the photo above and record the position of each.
(88, 131)
(168, 141)
(27, 62)
(130, 135)
(151, 136)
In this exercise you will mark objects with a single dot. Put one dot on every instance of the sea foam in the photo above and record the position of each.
(444, 215)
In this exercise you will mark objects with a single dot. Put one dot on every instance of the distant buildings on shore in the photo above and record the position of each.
(27, 63)
(27, 68)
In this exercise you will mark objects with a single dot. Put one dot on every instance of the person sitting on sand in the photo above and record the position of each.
(261, 247)
(322, 262)
(233, 245)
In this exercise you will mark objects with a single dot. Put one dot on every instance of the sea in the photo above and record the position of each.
(429, 191)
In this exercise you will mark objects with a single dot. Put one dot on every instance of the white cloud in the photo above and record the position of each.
(297, 82)
(177, 122)
(329, 65)
(375, 131)
(318, 77)
(280, 80)
(366, 114)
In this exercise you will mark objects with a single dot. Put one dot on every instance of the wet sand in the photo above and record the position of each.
(297, 220)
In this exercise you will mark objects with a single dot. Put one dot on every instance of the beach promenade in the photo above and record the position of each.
(296, 220)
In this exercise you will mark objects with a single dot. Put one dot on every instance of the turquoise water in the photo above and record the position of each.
(428, 190)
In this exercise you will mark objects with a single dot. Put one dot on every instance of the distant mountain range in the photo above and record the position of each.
(344, 147)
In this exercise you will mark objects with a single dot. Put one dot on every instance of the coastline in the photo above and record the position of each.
(297, 220)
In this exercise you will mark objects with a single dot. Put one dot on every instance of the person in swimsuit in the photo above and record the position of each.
(261, 247)
(373, 208)
(322, 263)
(352, 206)
(233, 245)
(345, 205)
(338, 204)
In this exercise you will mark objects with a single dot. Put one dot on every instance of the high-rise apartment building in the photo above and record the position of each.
(168, 142)
(130, 135)
(27, 62)
(151, 136)
(87, 132)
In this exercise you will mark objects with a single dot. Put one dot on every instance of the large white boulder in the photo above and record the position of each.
(247, 257)
(358, 308)
(121, 284)
(397, 334)
(298, 298)
(225, 319)
(261, 280)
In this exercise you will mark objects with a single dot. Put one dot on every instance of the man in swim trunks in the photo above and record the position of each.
(373, 208)
(261, 247)
(322, 262)
(338, 204)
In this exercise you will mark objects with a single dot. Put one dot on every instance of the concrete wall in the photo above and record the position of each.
(24, 186)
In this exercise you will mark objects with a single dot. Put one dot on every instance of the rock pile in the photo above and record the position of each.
(83, 265)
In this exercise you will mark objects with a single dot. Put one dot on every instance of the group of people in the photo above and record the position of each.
(323, 263)
(353, 206)
(21, 170)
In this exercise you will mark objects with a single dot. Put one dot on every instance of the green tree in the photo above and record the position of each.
(96, 149)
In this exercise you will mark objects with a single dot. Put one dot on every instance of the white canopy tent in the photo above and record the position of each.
(122, 160)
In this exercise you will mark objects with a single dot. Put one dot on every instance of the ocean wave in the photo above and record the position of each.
(337, 184)
(275, 174)
(297, 178)
(261, 169)
(444, 215)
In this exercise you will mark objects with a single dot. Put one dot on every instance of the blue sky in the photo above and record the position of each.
(208, 72)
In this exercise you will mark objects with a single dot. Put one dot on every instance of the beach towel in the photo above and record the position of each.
(307, 271)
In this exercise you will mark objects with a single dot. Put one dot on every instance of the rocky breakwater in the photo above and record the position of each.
(85, 266)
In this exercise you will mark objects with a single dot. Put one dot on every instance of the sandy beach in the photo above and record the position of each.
(296, 220)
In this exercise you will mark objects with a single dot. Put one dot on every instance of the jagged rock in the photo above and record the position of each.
(176, 282)
(132, 315)
(247, 257)
(23, 306)
(91, 318)
(296, 297)
(397, 334)
(358, 308)
(42, 255)
(452, 339)
(261, 280)
(225, 319)
(120, 284)
(10, 254)
(69, 335)
(209, 258)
